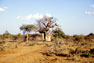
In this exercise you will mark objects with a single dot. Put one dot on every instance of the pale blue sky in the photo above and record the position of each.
(74, 16)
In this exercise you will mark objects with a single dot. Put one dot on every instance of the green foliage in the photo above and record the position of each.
(28, 28)
(7, 35)
(67, 36)
(78, 38)
(1, 37)
(58, 33)
(19, 35)
(1, 48)
(90, 36)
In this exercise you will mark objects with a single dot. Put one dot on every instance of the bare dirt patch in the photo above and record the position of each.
(24, 53)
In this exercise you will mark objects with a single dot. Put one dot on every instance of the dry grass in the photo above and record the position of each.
(45, 52)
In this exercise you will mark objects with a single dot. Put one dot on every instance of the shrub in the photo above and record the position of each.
(1, 48)
(7, 35)
(90, 37)
(18, 35)
(88, 53)
(58, 33)
(78, 38)
(91, 34)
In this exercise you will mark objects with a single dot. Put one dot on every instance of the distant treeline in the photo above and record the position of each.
(55, 34)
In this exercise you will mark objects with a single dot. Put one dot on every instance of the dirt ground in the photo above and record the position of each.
(32, 53)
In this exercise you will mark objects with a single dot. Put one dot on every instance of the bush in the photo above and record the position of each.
(7, 35)
(1, 48)
(90, 37)
(88, 53)
(58, 33)
(78, 38)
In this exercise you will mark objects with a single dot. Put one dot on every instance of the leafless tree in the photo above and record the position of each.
(45, 24)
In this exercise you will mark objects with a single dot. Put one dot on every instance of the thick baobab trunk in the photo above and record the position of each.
(44, 36)
(48, 36)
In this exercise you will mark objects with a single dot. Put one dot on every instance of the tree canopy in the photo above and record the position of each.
(46, 23)
(58, 33)
(27, 28)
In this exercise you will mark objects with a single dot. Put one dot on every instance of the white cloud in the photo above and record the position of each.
(36, 16)
(49, 15)
(3, 9)
(19, 17)
(33, 16)
(92, 6)
(28, 17)
(89, 13)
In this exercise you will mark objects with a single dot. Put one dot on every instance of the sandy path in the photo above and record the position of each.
(22, 55)
(32, 54)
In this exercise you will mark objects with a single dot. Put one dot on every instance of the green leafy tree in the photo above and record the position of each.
(58, 33)
(27, 29)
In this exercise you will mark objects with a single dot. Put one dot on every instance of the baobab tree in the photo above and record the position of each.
(44, 26)
(28, 29)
